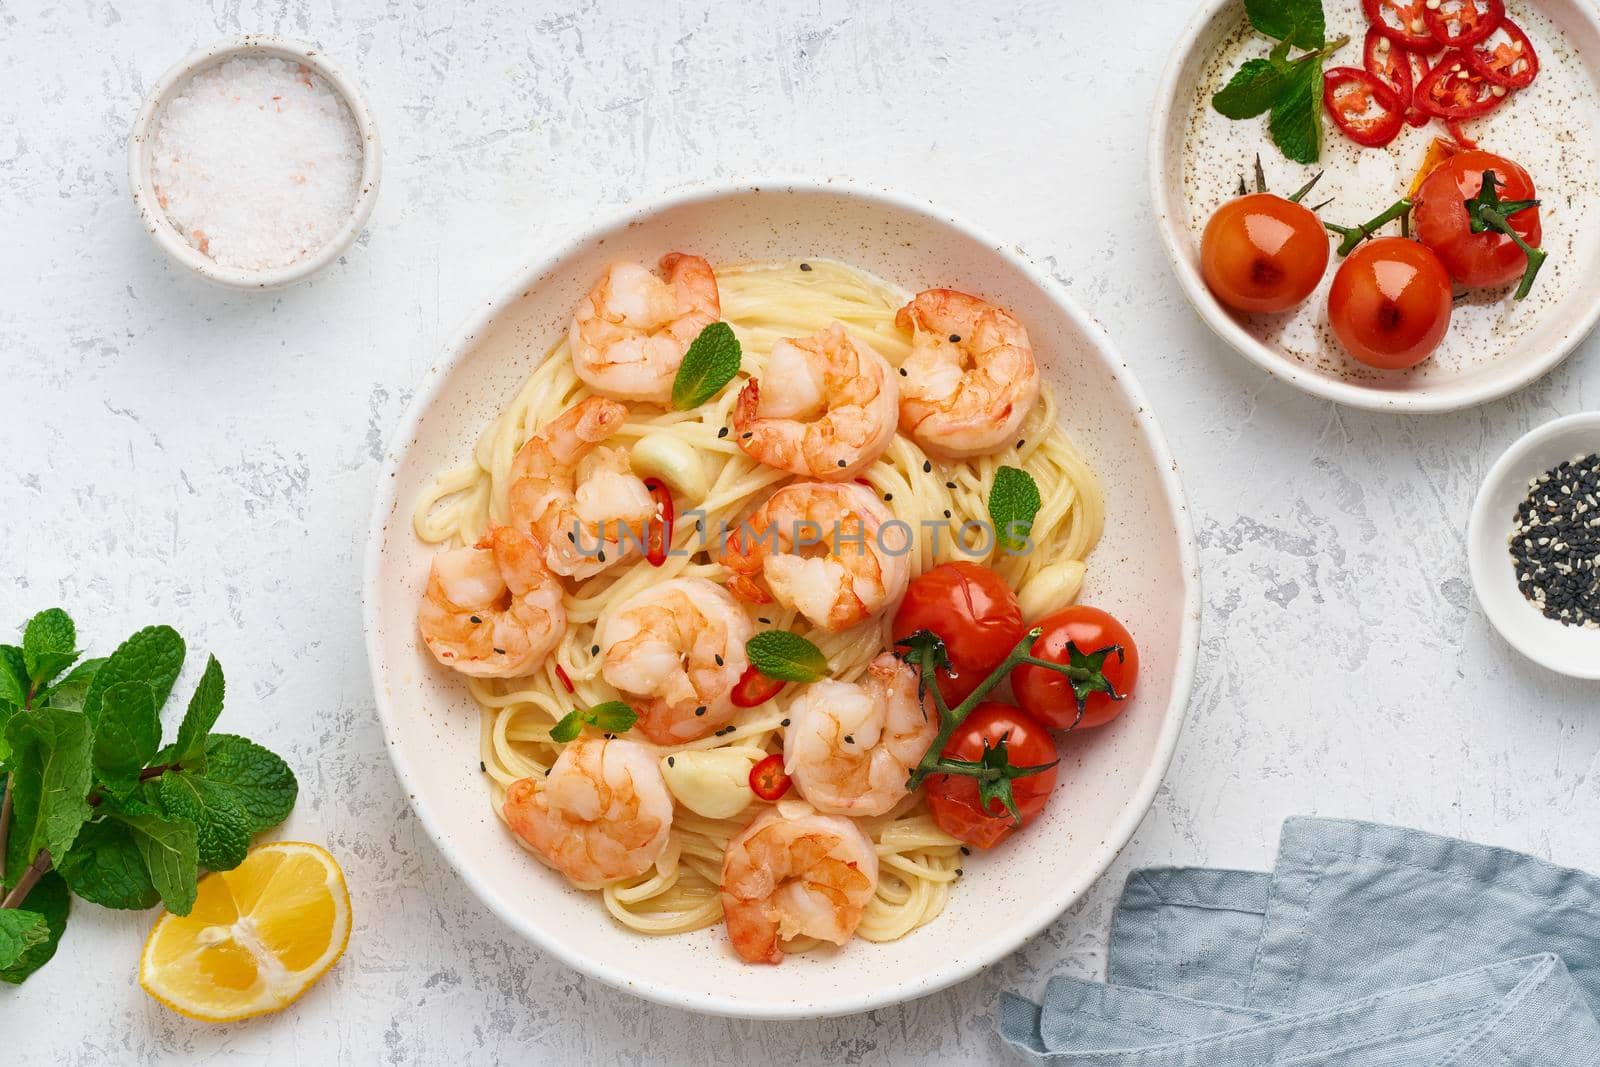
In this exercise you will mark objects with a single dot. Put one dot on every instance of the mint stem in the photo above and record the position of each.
(1354, 235)
(5, 823)
(29, 879)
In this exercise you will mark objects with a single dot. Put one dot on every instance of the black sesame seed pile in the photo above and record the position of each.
(1555, 542)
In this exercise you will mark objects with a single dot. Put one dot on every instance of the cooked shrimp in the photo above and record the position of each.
(632, 330)
(676, 651)
(850, 747)
(785, 877)
(970, 380)
(602, 813)
(820, 549)
(492, 610)
(582, 501)
(824, 407)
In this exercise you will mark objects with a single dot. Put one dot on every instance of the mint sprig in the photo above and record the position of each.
(786, 656)
(1013, 502)
(711, 362)
(94, 805)
(1288, 90)
(614, 717)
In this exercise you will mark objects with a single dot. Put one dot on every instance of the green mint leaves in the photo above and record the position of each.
(711, 362)
(97, 806)
(1013, 502)
(785, 656)
(1288, 91)
(613, 717)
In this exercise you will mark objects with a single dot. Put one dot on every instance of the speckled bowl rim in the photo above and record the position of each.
(1523, 627)
(1173, 228)
(1010, 931)
(154, 217)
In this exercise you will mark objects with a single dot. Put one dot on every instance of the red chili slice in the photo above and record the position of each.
(660, 535)
(767, 779)
(1466, 22)
(1419, 70)
(754, 688)
(1362, 106)
(1453, 90)
(1407, 27)
(1511, 63)
(1389, 63)
(1458, 134)
(565, 681)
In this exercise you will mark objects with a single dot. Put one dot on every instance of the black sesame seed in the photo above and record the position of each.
(594, 650)
(481, 768)
(1555, 542)
(903, 373)
(965, 851)
(747, 435)
(955, 338)
(476, 620)
(949, 485)
(785, 722)
(1021, 442)
(927, 467)
(805, 266)
(849, 739)
(764, 619)
(701, 710)
(947, 513)
(721, 433)
(888, 496)
(719, 660)
(672, 761)
(571, 537)
(842, 463)
(959, 872)
(602, 556)
(499, 651)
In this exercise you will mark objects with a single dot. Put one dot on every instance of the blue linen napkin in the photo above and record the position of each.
(1367, 944)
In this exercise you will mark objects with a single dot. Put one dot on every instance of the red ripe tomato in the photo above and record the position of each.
(1441, 220)
(1049, 696)
(1390, 303)
(953, 799)
(1263, 253)
(974, 611)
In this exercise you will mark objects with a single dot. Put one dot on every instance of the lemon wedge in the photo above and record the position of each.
(258, 937)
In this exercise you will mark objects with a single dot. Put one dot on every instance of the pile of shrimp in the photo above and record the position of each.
(569, 517)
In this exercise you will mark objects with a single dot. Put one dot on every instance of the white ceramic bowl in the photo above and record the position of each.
(1470, 368)
(1144, 570)
(155, 218)
(1570, 650)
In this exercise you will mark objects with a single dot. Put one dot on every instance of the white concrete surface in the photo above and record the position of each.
(180, 453)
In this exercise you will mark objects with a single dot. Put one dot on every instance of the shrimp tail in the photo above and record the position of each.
(743, 563)
(584, 425)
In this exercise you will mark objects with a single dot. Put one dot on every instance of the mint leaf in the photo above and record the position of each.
(1013, 502)
(1296, 122)
(48, 646)
(128, 734)
(105, 867)
(785, 656)
(613, 716)
(13, 676)
(154, 656)
(1252, 90)
(711, 362)
(568, 729)
(222, 830)
(204, 707)
(263, 784)
(1296, 22)
(19, 931)
(50, 762)
(68, 693)
(171, 854)
(51, 900)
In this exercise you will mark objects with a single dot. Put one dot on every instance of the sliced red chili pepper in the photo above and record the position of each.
(767, 779)
(1362, 106)
(1458, 134)
(1419, 70)
(660, 535)
(1401, 21)
(1453, 90)
(1459, 23)
(1509, 62)
(1389, 63)
(754, 688)
(562, 674)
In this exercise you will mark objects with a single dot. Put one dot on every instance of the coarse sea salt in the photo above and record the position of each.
(257, 162)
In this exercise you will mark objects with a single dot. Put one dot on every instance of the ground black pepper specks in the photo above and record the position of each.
(1555, 542)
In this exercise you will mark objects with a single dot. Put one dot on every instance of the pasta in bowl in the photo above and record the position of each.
(738, 416)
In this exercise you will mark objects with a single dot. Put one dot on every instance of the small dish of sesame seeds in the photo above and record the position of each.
(1533, 543)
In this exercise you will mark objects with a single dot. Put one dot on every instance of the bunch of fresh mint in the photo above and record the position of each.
(95, 805)
(1289, 89)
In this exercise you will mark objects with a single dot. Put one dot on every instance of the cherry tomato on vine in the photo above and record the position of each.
(1262, 252)
(1442, 222)
(1458, 23)
(1390, 303)
(1401, 21)
(1364, 108)
(754, 688)
(976, 614)
(1050, 697)
(953, 799)
(767, 778)
(1506, 57)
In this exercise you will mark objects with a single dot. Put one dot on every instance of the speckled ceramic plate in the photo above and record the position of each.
(1144, 570)
(1494, 345)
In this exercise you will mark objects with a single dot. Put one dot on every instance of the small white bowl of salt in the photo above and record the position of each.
(254, 162)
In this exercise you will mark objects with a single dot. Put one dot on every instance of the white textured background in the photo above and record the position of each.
(178, 453)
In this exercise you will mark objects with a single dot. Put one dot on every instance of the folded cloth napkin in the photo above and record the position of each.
(1367, 944)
